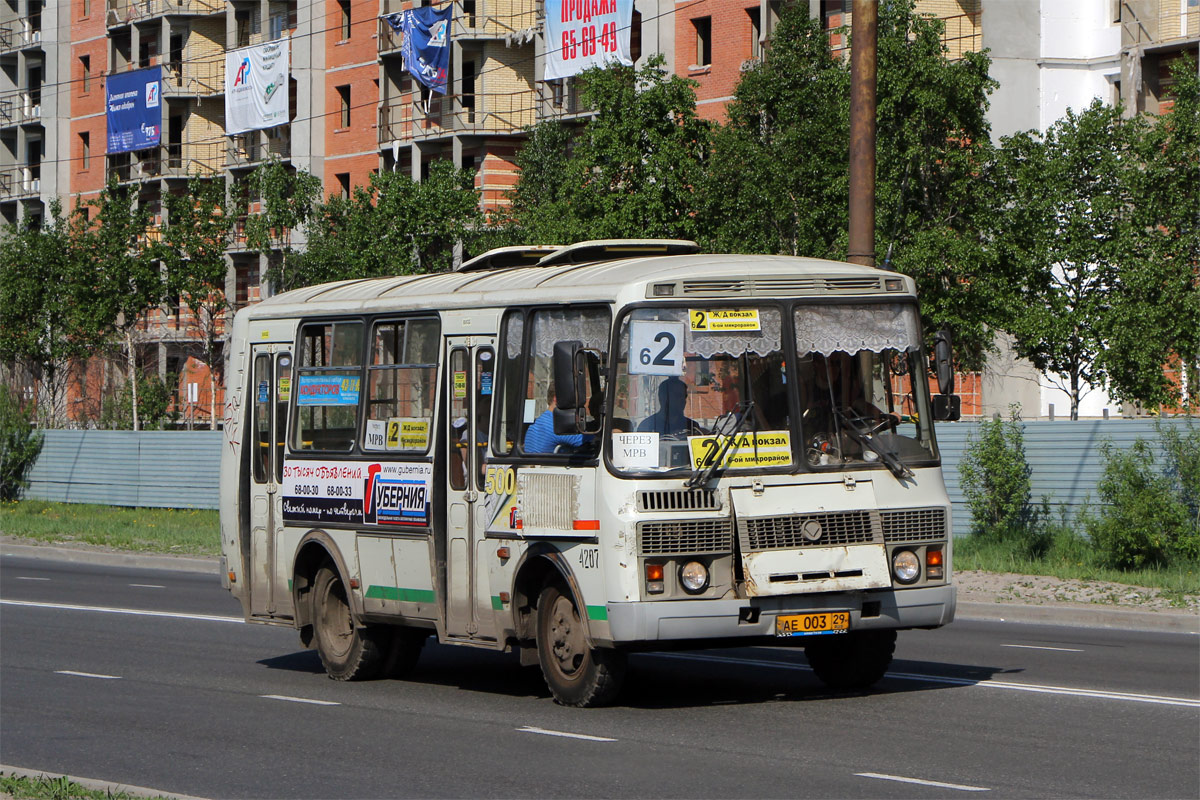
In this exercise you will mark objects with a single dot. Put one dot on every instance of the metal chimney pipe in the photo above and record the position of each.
(864, 33)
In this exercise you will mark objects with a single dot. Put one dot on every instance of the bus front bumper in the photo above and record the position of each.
(677, 620)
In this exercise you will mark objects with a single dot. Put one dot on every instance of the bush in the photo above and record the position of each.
(154, 403)
(20, 445)
(997, 483)
(1145, 521)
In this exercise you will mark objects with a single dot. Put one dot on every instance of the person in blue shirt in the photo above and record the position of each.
(541, 438)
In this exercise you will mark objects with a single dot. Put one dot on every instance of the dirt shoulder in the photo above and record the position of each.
(1044, 590)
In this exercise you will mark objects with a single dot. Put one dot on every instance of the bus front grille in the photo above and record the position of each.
(914, 524)
(678, 500)
(686, 537)
(798, 530)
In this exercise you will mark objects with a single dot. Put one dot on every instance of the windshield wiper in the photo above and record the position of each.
(724, 439)
(889, 460)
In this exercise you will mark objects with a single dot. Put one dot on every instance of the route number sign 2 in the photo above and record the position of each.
(656, 347)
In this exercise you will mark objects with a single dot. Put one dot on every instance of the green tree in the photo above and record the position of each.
(1069, 230)
(392, 226)
(118, 277)
(997, 482)
(20, 445)
(1154, 317)
(629, 172)
(779, 180)
(39, 329)
(285, 199)
(198, 229)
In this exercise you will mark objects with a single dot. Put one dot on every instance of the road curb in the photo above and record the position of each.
(1085, 617)
(1098, 617)
(97, 785)
(208, 565)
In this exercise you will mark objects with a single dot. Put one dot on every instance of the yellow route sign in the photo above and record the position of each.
(719, 320)
(774, 450)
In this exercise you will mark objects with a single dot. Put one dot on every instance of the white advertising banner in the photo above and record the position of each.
(581, 34)
(256, 87)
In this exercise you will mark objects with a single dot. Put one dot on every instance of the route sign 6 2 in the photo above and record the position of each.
(656, 347)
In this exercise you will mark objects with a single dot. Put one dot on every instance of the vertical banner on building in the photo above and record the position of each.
(581, 34)
(425, 43)
(256, 87)
(134, 109)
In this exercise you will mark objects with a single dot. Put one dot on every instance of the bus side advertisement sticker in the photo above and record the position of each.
(357, 492)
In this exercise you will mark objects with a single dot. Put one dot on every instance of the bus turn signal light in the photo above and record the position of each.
(654, 579)
(933, 564)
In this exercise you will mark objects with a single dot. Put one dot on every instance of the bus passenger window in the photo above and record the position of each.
(401, 385)
(283, 394)
(328, 381)
(460, 403)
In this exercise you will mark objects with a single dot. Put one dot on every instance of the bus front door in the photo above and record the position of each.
(270, 390)
(469, 613)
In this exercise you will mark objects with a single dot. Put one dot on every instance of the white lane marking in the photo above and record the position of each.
(299, 700)
(1184, 702)
(564, 734)
(938, 784)
(1039, 647)
(27, 578)
(138, 612)
(146, 586)
(86, 674)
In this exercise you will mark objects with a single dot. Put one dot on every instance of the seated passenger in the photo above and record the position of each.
(670, 420)
(541, 438)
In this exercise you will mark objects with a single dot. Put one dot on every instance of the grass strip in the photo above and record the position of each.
(1073, 558)
(150, 530)
(60, 788)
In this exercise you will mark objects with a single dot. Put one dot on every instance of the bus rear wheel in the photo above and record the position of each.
(576, 674)
(348, 652)
(853, 660)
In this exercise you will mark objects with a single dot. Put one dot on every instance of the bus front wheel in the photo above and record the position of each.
(577, 675)
(852, 660)
(348, 652)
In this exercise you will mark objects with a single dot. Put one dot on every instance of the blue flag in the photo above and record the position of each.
(426, 44)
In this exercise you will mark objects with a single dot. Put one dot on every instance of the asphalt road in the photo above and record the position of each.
(183, 697)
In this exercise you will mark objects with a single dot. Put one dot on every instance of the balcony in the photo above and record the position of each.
(18, 35)
(249, 149)
(19, 182)
(20, 109)
(478, 114)
(123, 12)
(490, 20)
(194, 78)
(190, 160)
(962, 34)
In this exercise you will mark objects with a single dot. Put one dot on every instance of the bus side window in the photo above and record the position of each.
(262, 417)
(328, 381)
(485, 373)
(400, 385)
(512, 389)
(460, 404)
(283, 394)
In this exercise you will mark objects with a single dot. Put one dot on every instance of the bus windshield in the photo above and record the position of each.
(687, 377)
(863, 386)
(680, 370)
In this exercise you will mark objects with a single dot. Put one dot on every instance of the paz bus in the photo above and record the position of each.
(580, 452)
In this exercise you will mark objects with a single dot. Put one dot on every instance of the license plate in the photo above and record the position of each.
(812, 624)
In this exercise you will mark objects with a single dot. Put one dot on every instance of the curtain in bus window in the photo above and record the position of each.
(401, 380)
(876, 327)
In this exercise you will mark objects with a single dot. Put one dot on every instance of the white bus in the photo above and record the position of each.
(578, 452)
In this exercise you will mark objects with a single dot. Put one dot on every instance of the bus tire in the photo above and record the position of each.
(348, 652)
(854, 660)
(404, 649)
(576, 674)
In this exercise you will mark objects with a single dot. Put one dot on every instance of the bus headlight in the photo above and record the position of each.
(906, 566)
(693, 576)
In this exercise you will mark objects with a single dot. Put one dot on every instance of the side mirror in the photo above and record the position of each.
(943, 357)
(947, 407)
(577, 388)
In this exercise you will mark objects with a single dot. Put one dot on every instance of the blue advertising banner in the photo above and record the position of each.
(134, 109)
(426, 43)
(327, 390)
